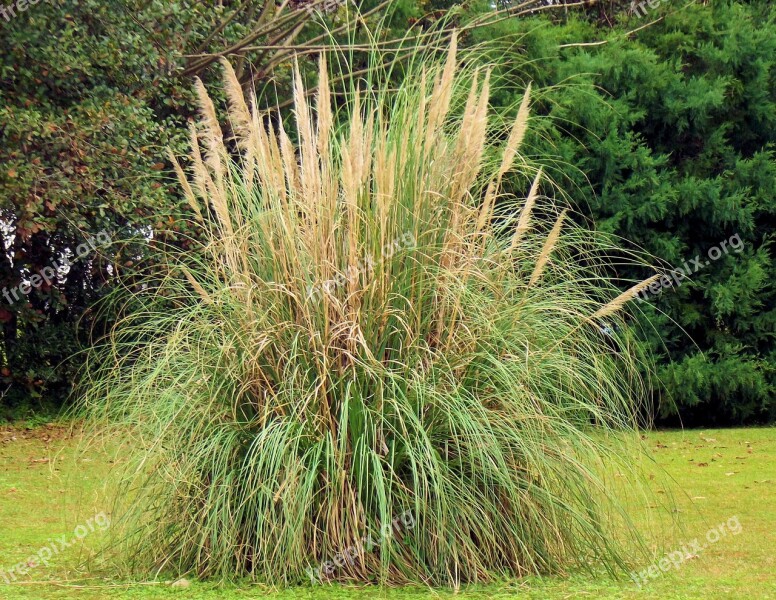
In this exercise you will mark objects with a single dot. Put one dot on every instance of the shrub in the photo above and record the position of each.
(91, 93)
(368, 334)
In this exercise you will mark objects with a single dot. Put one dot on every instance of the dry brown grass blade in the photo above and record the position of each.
(420, 123)
(290, 166)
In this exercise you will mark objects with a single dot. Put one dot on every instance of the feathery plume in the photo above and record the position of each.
(623, 299)
(213, 137)
(517, 133)
(514, 141)
(323, 107)
(202, 178)
(470, 145)
(524, 222)
(216, 157)
(239, 114)
(197, 287)
(549, 245)
(191, 198)
(443, 90)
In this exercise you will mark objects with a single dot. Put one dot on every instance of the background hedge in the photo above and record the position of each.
(665, 136)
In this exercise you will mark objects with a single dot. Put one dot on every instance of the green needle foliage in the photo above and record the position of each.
(372, 328)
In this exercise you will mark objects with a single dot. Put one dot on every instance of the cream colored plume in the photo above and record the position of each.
(524, 221)
(621, 300)
(549, 246)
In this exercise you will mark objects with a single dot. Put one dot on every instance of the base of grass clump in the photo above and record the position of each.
(377, 367)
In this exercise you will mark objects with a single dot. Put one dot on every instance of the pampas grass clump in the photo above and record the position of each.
(372, 331)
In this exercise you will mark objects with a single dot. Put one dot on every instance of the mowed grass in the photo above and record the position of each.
(48, 488)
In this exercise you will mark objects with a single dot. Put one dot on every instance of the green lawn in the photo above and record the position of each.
(721, 477)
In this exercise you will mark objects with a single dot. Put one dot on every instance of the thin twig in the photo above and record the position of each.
(602, 42)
